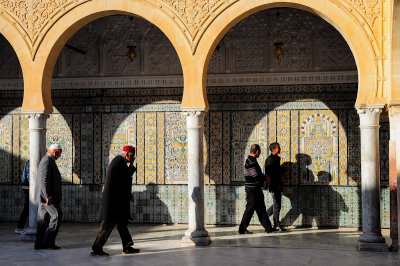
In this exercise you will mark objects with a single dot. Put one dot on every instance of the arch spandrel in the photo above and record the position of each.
(358, 34)
(70, 22)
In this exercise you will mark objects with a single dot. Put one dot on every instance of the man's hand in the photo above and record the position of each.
(49, 201)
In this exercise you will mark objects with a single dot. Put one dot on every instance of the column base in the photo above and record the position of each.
(395, 246)
(196, 241)
(366, 246)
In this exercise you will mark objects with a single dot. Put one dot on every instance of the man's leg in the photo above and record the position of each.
(42, 223)
(262, 212)
(55, 214)
(25, 212)
(249, 211)
(277, 197)
(126, 237)
(103, 234)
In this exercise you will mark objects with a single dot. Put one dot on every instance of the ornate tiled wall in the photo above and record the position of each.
(319, 135)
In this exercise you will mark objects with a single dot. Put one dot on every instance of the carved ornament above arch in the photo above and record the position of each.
(33, 18)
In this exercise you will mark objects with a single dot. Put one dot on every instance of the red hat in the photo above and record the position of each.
(128, 149)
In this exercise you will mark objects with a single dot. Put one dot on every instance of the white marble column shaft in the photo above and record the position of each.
(37, 149)
(371, 239)
(196, 233)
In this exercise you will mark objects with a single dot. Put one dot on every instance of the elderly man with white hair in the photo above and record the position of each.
(48, 191)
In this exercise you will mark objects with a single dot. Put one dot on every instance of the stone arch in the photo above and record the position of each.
(38, 90)
(15, 39)
(334, 14)
(395, 82)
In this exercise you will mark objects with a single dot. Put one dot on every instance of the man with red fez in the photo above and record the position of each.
(116, 202)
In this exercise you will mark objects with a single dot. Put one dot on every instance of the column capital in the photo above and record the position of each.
(193, 111)
(369, 114)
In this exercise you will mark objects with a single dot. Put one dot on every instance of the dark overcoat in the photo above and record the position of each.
(117, 191)
(273, 170)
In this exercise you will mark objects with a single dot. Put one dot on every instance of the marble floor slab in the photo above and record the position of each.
(161, 245)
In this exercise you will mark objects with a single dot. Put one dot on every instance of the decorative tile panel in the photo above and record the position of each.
(175, 148)
(140, 149)
(294, 150)
(342, 147)
(160, 148)
(151, 148)
(247, 128)
(354, 154)
(118, 131)
(88, 136)
(319, 141)
(97, 141)
(6, 153)
(16, 154)
(226, 146)
(216, 147)
(77, 176)
(283, 138)
(59, 131)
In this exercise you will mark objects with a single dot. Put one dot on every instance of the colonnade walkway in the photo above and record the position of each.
(162, 245)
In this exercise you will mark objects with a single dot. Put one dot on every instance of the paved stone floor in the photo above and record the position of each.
(161, 245)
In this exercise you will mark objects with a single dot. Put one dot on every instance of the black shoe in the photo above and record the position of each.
(130, 250)
(37, 247)
(245, 232)
(269, 230)
(280, 228)
(54, 247)
(99, 253)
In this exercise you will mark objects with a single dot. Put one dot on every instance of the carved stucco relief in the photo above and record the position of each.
(34, 18)
(194, 16)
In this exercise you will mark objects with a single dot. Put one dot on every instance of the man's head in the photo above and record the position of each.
(55, 150)
(128, 152)
(255, 150)
(275, 148)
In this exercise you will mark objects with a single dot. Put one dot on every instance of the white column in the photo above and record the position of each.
(196, 233)
(37, 149)
(394, 116)
(371, 239)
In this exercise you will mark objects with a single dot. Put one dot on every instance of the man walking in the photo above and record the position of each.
(116, 203)
(254, 195)
(274, 173)
(49, 195)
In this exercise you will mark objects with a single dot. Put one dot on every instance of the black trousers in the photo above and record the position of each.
(25, 211)
(255, 202)
(275, 208)
(105, 230)
(48, 223)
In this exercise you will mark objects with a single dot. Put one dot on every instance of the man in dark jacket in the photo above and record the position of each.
(274, 173)
(254, 195)
(49, 195)
(116, 202)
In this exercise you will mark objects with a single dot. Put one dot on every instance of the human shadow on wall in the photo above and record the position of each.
(147, 206)
(317, 202)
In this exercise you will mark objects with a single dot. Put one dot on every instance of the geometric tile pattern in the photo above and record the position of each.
(309, 205)
(59, 131)
(320, 142)
(6, 153)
